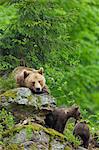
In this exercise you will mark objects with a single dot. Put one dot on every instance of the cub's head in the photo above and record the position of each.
(34, 80)
(75, 112)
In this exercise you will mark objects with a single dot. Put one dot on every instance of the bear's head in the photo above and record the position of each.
(33, 80)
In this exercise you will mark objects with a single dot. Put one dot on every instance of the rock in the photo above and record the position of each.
(23, 103)
(28, 110)
(35, 136)
(24, 96)
(57, 145)
(81, 148)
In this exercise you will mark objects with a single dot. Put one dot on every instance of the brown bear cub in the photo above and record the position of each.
(31, 78)
(57, 118)
(82, 130)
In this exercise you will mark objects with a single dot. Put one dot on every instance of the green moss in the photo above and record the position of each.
(34, 127)
(9, 93)
(67, 148)
(34, 146)
(54, 133)
(29, 97)
(13, 147)
(29, 133)
(39, 102)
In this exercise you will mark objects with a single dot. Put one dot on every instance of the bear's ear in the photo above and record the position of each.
(76, 107)
(26, 74)
(41, 71)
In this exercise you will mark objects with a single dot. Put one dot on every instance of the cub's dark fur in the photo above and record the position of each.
(57, 118)
(82, 130)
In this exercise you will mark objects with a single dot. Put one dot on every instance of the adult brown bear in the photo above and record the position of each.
(31, 78)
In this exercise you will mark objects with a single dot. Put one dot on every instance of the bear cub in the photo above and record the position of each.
(82, 130)
(57, 118)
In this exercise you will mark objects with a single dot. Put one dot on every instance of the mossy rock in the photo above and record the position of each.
(23, 103)
(26, 97)
(36, 136)
(34, 127)
(13, 147)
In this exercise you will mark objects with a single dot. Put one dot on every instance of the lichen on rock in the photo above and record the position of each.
(26, 97)
(29, 111)
(23, 103)
(27, 135)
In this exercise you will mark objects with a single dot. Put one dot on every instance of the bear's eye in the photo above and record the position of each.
(41, 82)
(33, 83)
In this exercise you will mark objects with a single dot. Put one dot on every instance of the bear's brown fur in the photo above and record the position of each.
(31, 78)
(57, 118)
(82, 130)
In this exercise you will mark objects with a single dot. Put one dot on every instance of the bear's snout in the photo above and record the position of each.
(38, 90)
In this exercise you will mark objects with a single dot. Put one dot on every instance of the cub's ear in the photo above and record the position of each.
(76, 107)
(26, 74)
(41, 71)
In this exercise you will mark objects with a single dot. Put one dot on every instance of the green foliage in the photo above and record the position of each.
(69, 135)
(6, 84)
(79, 73)
(8, 62)
(29, 133)
(40, 27)
(7, 13)
(6, 121)
(94, 123)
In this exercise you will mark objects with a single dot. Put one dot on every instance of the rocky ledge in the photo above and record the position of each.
(34, 137)
(29, 111)
(29, 131)
(23, 104)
